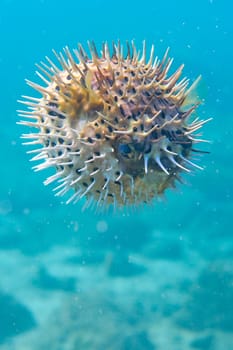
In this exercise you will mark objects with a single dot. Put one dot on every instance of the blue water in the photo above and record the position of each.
(160, 278)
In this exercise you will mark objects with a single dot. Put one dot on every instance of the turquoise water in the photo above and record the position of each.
(160, 278)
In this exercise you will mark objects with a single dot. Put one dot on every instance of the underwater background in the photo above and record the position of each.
(157, 279)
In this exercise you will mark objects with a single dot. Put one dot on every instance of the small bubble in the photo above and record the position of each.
(102, 226)
(26, 211)
(76, 226)
(5, 207)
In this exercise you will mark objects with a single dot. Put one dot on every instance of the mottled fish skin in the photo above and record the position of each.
(114, 128)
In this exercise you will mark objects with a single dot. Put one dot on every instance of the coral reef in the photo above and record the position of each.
(15, 318)
(210, 303)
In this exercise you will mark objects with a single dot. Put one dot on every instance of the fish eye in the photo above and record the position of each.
(139, 146)
(124, 149)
